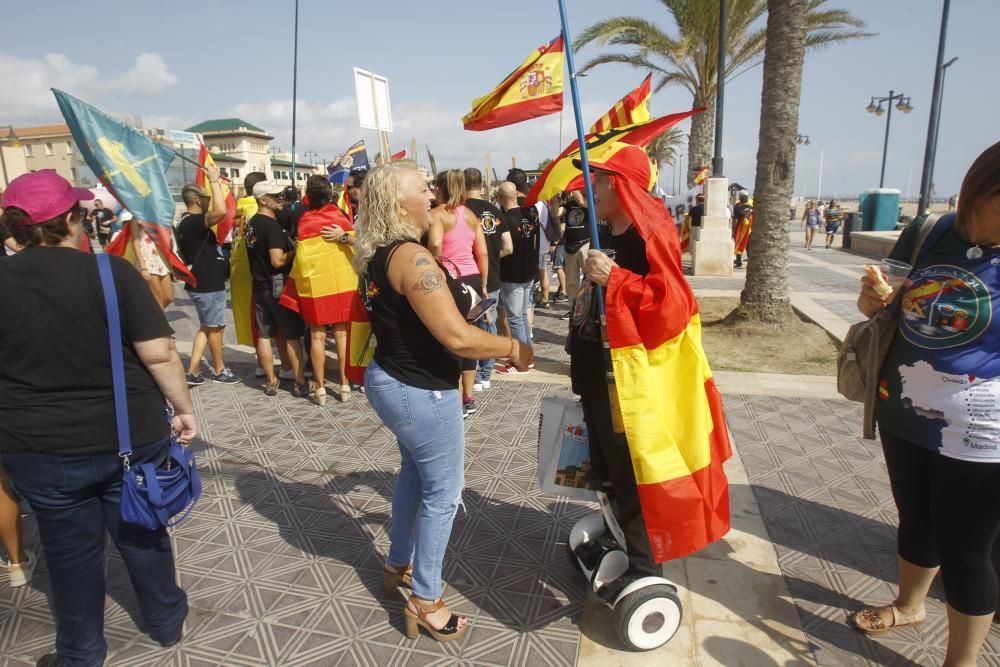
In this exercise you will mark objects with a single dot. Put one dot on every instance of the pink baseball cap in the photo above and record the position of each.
(43, 195)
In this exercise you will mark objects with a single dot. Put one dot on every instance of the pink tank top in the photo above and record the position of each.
(457, 246)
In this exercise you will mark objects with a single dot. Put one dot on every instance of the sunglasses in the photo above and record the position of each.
(278, 197)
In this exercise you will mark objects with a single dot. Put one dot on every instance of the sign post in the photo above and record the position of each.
(374, 110)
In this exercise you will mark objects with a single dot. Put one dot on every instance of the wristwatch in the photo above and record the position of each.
(344, 238)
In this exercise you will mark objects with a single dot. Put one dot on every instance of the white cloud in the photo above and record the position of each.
(149, 77)
(27, 99)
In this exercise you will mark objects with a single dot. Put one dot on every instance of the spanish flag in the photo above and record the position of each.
(686, 233)
(225, 225)
(670, 406)
(700, 177)
(361, 341)
(741, 233)
(534, 89)
(323, 282)
(562, 175)
(629, 110)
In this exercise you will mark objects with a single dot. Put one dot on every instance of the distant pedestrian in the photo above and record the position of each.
(742, 226)
(810, 220)
(102, 219)
(834, 218)
(518, 270)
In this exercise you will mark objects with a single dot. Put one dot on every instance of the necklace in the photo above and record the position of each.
(975, 252)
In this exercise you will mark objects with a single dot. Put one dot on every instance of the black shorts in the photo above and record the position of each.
(272, 318)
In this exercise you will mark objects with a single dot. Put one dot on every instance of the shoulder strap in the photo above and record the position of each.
(930, 233)
(117, 359)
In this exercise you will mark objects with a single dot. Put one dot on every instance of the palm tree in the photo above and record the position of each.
(765, 295)
(691, 59)
(663, 149)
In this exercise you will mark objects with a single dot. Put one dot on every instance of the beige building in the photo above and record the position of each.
(45, 147)
(240, 140)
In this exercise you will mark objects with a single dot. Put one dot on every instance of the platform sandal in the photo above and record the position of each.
(394, 575)
(417, 618)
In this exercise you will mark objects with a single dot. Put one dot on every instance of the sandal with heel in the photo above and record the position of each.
(417, 618)
(317, 394)
(395, 575)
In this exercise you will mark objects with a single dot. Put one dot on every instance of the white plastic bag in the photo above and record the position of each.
(563, 449)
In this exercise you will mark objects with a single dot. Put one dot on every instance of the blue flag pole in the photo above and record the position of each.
(581, 134)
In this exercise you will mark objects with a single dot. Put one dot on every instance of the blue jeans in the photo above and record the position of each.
(485, 370)
(431, 438)
(516, 298)
(76, 499)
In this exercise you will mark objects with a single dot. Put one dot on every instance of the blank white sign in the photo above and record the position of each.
(373, 100)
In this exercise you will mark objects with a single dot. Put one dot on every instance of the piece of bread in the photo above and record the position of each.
(882, 288)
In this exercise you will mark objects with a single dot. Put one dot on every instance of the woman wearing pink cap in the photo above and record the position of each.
(57, 414)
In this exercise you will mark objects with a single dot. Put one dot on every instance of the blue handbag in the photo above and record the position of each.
(151, 496)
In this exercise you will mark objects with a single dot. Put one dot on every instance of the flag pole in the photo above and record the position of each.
(295, 82)
(581, 134)
(617, 424)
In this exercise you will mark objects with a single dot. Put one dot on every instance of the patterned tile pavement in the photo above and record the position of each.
(824, 497)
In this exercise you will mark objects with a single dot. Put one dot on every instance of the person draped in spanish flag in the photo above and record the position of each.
(658, 434)
(323, 283)
(742, 226)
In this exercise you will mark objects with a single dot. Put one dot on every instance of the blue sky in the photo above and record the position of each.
(177, 63)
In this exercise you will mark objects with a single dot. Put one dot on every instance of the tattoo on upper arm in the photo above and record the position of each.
(423, 261)
(429, 281)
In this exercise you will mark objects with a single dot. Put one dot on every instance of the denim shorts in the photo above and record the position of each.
(211, 308)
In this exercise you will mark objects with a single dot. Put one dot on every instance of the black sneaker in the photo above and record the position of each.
(566, 315)
(468, 407)
(194, 380)
(225, 376)
(544, 305)
(560, 298)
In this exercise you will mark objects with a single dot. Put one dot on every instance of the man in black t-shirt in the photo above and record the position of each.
(518, 270)
(270, 254)
(498, 245)
(102, 218)
(697, 211)
(576, 240)
(200, 249)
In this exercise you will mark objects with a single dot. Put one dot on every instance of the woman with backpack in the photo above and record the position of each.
(939, 415)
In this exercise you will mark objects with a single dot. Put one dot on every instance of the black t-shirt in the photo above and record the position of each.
(200, 249)
(102, 216)
(55, 367)
(407, 350)
(587, 364)
(521, 266)
(493, 224)
(577, 232)
(263, 234)
(696, 213)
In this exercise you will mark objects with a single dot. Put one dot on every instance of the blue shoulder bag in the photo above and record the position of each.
(151, 496)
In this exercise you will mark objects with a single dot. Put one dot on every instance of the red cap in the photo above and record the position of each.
(43, 195)
(626, 160)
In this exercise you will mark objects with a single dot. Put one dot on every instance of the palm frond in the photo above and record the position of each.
(624, 58)
(627, 31)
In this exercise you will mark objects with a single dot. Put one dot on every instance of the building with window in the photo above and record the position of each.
(245, 145)
(47, 147)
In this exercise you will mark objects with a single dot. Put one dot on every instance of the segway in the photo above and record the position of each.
(646, 608)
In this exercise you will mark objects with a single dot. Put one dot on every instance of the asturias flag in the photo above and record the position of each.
(354, 158)
(629, 110)
(560, 175)
(670, 406)
(534, 89)
(132, 166)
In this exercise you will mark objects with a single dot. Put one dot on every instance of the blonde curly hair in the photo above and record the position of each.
(379, 219)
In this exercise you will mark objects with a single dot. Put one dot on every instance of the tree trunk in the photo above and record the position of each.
(766, 296)
(702, 139)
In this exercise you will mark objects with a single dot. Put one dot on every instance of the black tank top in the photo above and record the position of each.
(406, 348)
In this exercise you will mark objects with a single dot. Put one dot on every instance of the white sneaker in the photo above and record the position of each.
(485, 384)
(19, 574)
(477, 386)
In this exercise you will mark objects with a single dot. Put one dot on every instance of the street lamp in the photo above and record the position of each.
(3, 163)
(802, 139)
(930, 148)
(903, 104)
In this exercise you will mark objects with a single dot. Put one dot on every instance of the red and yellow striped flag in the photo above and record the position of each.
(323, 282)
(629, 110)
(534, 89)
(700, 177)
(670, 406)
